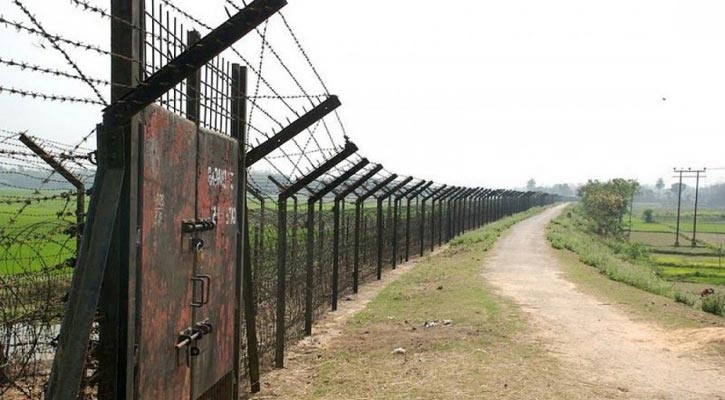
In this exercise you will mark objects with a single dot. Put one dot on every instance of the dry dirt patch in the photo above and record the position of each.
(485, 351)
(599, 343)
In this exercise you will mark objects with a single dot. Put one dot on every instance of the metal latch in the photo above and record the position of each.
(197, 225)
(189, 339)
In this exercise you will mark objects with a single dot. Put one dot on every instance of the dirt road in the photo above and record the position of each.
(597, 342)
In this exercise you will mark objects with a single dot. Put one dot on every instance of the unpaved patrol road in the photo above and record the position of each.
(598, 344)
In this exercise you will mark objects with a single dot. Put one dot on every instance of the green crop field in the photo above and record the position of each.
(700, 264)
(32, 231)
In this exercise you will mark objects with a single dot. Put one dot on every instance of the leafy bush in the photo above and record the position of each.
(605, 204)
(686, 298)
(714, 304)
(621, 261)
(648, 216)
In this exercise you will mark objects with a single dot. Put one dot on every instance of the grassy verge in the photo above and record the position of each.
(624, 262)
(484, 352)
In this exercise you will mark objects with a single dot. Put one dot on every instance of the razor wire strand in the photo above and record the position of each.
(258, 72)
(55, 45)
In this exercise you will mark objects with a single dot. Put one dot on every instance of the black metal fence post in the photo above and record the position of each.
(68, 176)
(356, 241)
(290, 191)
(381, 237)
(444, 203)
(431, 195)
(281, 281)
(360, 202)
(243, 276)
(396, 217)
(434, 197)
(319, 196)
(414, 194)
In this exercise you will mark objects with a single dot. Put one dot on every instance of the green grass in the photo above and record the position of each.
(31, 234)
(484, 353)
(708, 220)
(632, 263)
(641, 226)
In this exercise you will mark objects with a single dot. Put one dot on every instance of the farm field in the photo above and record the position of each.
(32, 230)
(701, 264)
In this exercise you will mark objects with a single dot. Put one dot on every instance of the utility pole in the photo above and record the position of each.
(631, 211)
(681, 173)
(679, 203)
(697, 192)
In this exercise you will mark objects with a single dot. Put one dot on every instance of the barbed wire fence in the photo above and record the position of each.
(314, 237)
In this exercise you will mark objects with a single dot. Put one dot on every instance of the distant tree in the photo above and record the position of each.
(648, 216)
(675, 188)
(660, 184)
(531, 184)
(562, 189)
(606, 203)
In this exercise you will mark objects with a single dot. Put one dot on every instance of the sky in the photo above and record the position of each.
(488, 93)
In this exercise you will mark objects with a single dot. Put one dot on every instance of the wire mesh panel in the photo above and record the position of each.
(369, 244)
(415, 224)
(324, 260)
(263, 239)
(295, 302)
(346, 248)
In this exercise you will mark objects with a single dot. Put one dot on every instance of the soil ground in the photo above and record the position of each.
(598, 342)
(534, 325)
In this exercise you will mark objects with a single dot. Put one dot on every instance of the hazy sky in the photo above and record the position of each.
(496, 92)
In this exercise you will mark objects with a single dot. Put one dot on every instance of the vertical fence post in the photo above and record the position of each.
(309, 281)
(335, 253)
(356, 247)
(381, 236)
(433, 222)
(67, 175)
(434, 198)
(356, 256)
(396, 217)
(380, 240)
(361, 203)
(407, 228)
(422, 218)
(290, 191)
(449, 217)
(412, 196)
(421, 228)
(118, 298)
(280, 325)
(294, 247)
(335, 226)
(442, 203)
(245, 283)
(193, 84)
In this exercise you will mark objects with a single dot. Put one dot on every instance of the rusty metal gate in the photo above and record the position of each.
(186, 297)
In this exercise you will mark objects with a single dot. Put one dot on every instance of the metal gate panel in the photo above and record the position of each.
(217, 200)
(167, 263)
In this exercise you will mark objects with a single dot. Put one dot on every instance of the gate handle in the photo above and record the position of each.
(205, 281)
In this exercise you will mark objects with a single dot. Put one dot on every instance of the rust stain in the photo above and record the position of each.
(169, 187)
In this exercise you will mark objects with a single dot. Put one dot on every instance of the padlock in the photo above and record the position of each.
(197, 246)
